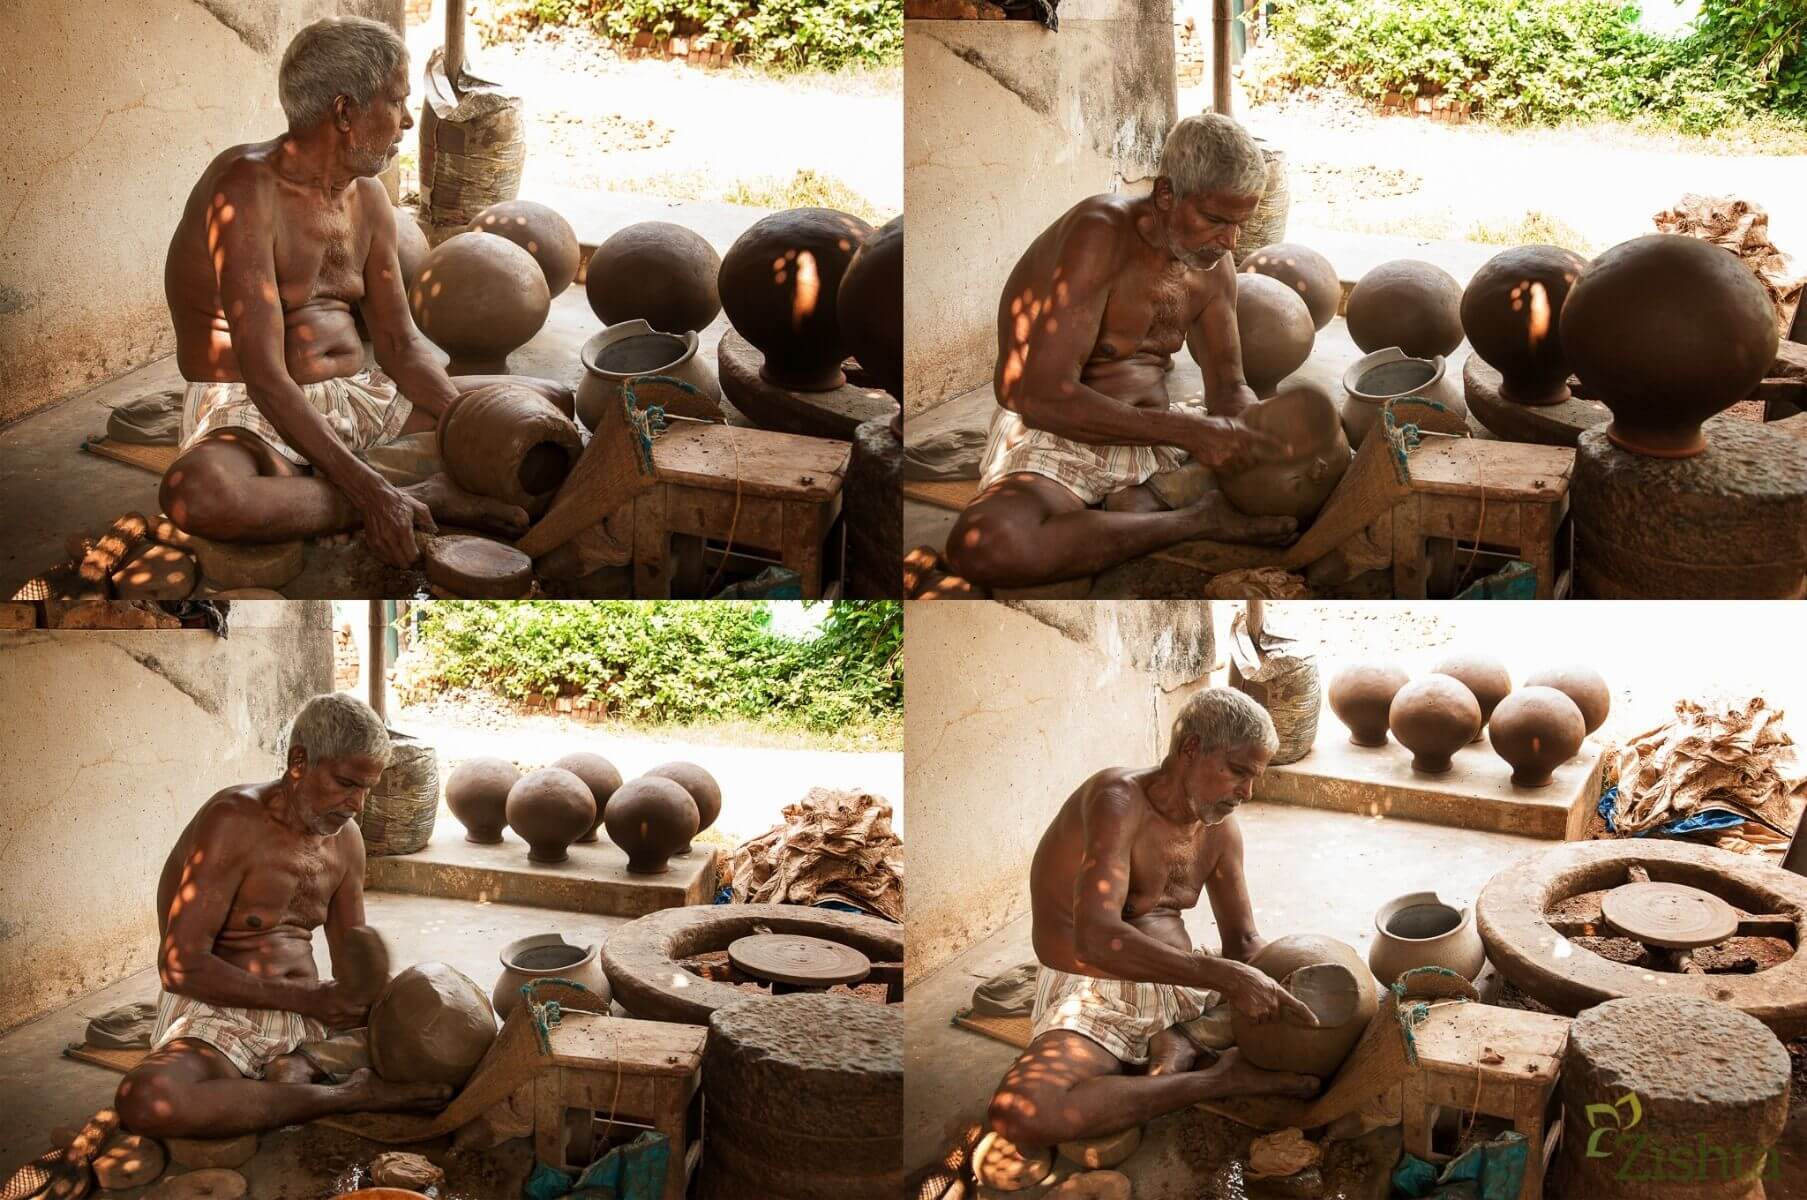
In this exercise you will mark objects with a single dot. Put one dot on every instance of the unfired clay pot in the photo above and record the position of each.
(702, 788)
(550, 808)
(780, 283)
(1433, 717)
(1275, 326)
(1537, 729)
(656, 272)
(1305, 417)
(1361, 696)
(431, 1024)
(477, 793)
(651, 818)
(1389, 374)
(1416, 306)
(1334, 983)
(1668, 330)
(548, 956)
(411, 248)
(1512, 314)
(632, 350)
(1419, 930)
(1584, 685)
(539, 231)
(1303, 270)
(1483, 675)
(600, 776)
(870, 306)
(509, 443)
(479, 298)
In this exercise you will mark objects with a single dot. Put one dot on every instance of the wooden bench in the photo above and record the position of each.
(1506, 496)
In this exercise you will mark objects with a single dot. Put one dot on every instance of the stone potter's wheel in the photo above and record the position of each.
(1672, 915)
(798, 961)
(832, 414)
(1544, 425)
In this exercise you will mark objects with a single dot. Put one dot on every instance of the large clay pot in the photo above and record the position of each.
(1335, 984)
(479, 298)
(431, 1024)
(548, 956)
(656, 272)
(1667, 331)
(1416, 306)
(632, 350)
(411, 248)
(1275, 327)
(1303, 270)
(1361, 696)
(1433, 717)
(651, 819)
(780, 283)
(1512, 314)
(1390, 374)
(1483, 675)
(550, 808)
(1306, 419)
(1537, 729)
(1584, 685)
(509, 443)
(870, 306)
(477, 793)
(1419, 930)
(702, 788)
(539, 231)
(600, 776)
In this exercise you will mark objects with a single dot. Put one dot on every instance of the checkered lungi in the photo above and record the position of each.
(250, 1037)
(1089, 472)
(364, 409)
(1122, 1016)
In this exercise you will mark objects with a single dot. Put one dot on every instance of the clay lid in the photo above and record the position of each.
(797, 959)
(1672, 915)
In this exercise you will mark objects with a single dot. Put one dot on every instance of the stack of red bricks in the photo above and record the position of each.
(1438, 108)
(702, 50)
(576, 707)
(1188, 52)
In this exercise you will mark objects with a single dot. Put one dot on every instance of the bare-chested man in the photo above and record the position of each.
(1124, 1005)
(1087, 328)
(258, 869)
(279, 242)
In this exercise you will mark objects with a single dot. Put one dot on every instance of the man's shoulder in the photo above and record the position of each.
(240, 171)
(1115, 787)
(1104, 215)
(231, 806)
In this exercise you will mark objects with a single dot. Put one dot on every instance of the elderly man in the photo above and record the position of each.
(258, 869)
(279, 242)
(1124, 1005)
(1087, 328)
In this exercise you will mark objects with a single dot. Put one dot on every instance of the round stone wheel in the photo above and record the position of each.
(872, 499)
(1672, 915)
(231, 565)
(798, 960)
(478, 568)
(1550, 425)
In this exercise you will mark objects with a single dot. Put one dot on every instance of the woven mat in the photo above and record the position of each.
(1012, 1031)
(124, 1060)
(942, 493)
(155, 459)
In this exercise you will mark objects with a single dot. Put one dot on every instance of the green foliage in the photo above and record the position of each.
(793, 34)
(1762, 43)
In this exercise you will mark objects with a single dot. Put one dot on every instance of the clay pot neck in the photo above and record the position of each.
(634, 348)
(1387, 374)
(1420, 917)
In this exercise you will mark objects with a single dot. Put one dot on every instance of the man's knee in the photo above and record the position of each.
(989, 551)
(196, 495)
(1022, 1120)
(147, 1103)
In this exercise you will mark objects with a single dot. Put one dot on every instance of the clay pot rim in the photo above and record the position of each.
(1398, 904)
(621, 331)
(1381, 358)
(536, 940)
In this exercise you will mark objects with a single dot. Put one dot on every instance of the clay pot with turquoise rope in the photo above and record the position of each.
(548, 956)
(1388, 374)
(635, 350)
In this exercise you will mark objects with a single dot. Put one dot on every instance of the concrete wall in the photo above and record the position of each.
(1009, 708)
(111, 110)
(111, 742)
(1006, 126)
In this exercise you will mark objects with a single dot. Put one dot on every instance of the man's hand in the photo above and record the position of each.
(335, 1004)
(390, 518)
(1262, 999)
(1222, 441)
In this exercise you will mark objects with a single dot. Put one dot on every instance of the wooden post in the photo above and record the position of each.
(1220, 56)
(1796, 858)
(378, 650)
(454, 43)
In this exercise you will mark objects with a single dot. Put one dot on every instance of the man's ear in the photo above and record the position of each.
(1189, 746)
(297, 764)
(342, 113)
(1163, 193)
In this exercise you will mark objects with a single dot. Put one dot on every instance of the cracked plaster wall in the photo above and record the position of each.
(1006, 126)
(111, 742)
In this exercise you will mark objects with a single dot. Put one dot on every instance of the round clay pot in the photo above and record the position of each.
(1512, 314)
(550, 808)
(780, 283)
(1537, 729)
(1391, 374)
(539, 231)
(1416, 306)
(1667, 331)
(702, 788)
(600, 776)
(548, 956)
(1361, 697)
(1584, 685)
(411, 248)
(431, 1024)
(1433, 717)
(1275, 326)
(509, 443)
(870, 306)
(651, 819)
(477, 793)
(656, 272)
(1306, 418)
(634, 350)
(1419, 930)
(1334, 982)
(1303, 270)
(479, 298)
(1482, 675)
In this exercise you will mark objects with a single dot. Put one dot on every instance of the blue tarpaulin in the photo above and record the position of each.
(635, 1171)
(1705, 819)
(1496, 1168)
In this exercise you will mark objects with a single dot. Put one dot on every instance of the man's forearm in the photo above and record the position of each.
(417, 372)
(1094, 419)
(1125, 952)
(213, 980)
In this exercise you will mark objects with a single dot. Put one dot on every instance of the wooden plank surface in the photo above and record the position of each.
(782, 465)
(592, 1042)
(1458, 1037)
(1504, 470)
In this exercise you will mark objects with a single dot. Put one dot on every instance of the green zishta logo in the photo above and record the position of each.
(1599, 1114)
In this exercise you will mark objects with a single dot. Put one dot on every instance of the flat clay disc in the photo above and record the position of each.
(478, 568)
(212, 1183)
(795, 959)
(1671, 915)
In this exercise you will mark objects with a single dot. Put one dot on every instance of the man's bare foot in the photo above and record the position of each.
(452, 505)
(372, 1093)
(1140, 498)
(290, 1068)
(1216, 519)
(1171, 1052)
(1239, 1077)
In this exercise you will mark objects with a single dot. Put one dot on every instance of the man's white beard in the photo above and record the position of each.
(1203, 260)
(367, 162)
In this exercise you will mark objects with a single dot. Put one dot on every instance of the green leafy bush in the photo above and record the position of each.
(826, 34)
(1761, 43)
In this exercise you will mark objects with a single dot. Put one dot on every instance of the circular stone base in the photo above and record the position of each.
(478, 568)
(836, 414)
(1729, 523)
(1546, 425)
(229, 565)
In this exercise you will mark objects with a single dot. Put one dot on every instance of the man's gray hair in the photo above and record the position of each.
(1223, 718)
(1212, 153)
(335, 726)
(336, 56)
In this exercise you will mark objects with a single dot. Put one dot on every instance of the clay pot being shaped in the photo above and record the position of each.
(1433, 717)
(600, 776)
(651, 819)
(1361, 697)
(1305, 418)
(550, 808)
(479, 298)
(431, 1024)
(1512, 314)
(539, 231)
(1667, 330)
(1416, 306)
(411, 248)
(1486, 677)
(477, 793)
(1419, 930)
(1275, 327)
(870, 306)
(1584, 685)
(508, 443)
(633, 350)
(656, 272)
(1303, 270)
(1347, 992)
(702, 788)
(1537, 729)
(781, 282)
(1391, 374)
(548, 956)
